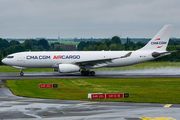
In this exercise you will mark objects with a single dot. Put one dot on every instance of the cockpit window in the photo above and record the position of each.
(9, 56)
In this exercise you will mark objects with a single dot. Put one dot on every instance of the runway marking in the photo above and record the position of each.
(26, 100)
(87, 103)
(167, 105)
(3, 96)
(157, 118)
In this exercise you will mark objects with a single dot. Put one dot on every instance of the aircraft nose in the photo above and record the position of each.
(4, 61)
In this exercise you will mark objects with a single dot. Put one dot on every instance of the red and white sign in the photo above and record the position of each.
(45, 85)
(109, 95)
(97, 96)
(115, 95)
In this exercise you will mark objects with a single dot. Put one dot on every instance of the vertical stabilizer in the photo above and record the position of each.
(160, 41)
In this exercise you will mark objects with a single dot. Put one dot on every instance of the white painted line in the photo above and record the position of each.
(27, 100)
(3, 96)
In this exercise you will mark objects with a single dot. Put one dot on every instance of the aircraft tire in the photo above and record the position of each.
(83, 72)
(86, 73)
(92, 73)
(21, 74)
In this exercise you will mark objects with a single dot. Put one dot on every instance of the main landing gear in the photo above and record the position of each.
(21, 73)
(87, 72)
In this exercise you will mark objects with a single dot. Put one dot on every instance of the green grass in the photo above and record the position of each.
(9, 69)
(65, 42)
(144, 90)
(141, 66)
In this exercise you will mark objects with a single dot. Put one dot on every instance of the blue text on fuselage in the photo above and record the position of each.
(158, 43)
(38, 57)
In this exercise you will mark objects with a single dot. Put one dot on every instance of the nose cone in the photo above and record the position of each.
(4, 61)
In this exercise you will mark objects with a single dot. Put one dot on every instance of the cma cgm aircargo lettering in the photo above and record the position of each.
(66, 57)
(55, 57)
(158, 43)
(38, 57)
(76, 61)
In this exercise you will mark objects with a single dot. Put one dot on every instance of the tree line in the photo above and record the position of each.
(116, 44)
(109, 44)
(13, 46)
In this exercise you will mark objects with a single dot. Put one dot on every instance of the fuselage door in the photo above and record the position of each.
(19, 58)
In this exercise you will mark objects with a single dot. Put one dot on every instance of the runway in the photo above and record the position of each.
(99, 74)
(15, 107)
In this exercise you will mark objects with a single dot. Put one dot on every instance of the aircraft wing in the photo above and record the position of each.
(93, 62)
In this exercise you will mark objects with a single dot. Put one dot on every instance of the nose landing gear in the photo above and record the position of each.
(21, 73)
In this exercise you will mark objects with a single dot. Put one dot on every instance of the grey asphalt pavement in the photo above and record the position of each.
(99, 74)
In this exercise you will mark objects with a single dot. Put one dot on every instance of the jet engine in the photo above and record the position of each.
(65, 68)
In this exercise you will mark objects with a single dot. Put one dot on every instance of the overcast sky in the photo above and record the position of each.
(87, 18)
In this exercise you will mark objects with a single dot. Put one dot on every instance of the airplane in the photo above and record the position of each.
(83, 61)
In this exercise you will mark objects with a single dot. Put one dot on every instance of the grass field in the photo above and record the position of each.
(9, 69)
(153, 90)
(141, 66)
(145, 90)
(65, 42)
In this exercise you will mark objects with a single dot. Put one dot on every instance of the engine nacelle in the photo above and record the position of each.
(67, 68)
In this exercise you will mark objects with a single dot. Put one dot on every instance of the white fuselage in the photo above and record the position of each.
(53, 59)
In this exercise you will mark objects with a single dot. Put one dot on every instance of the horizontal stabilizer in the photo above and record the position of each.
(156, 54)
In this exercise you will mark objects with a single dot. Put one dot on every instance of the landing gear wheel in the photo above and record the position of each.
(21, 73)
(86, 73)
(83, 72)
(92, 73)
